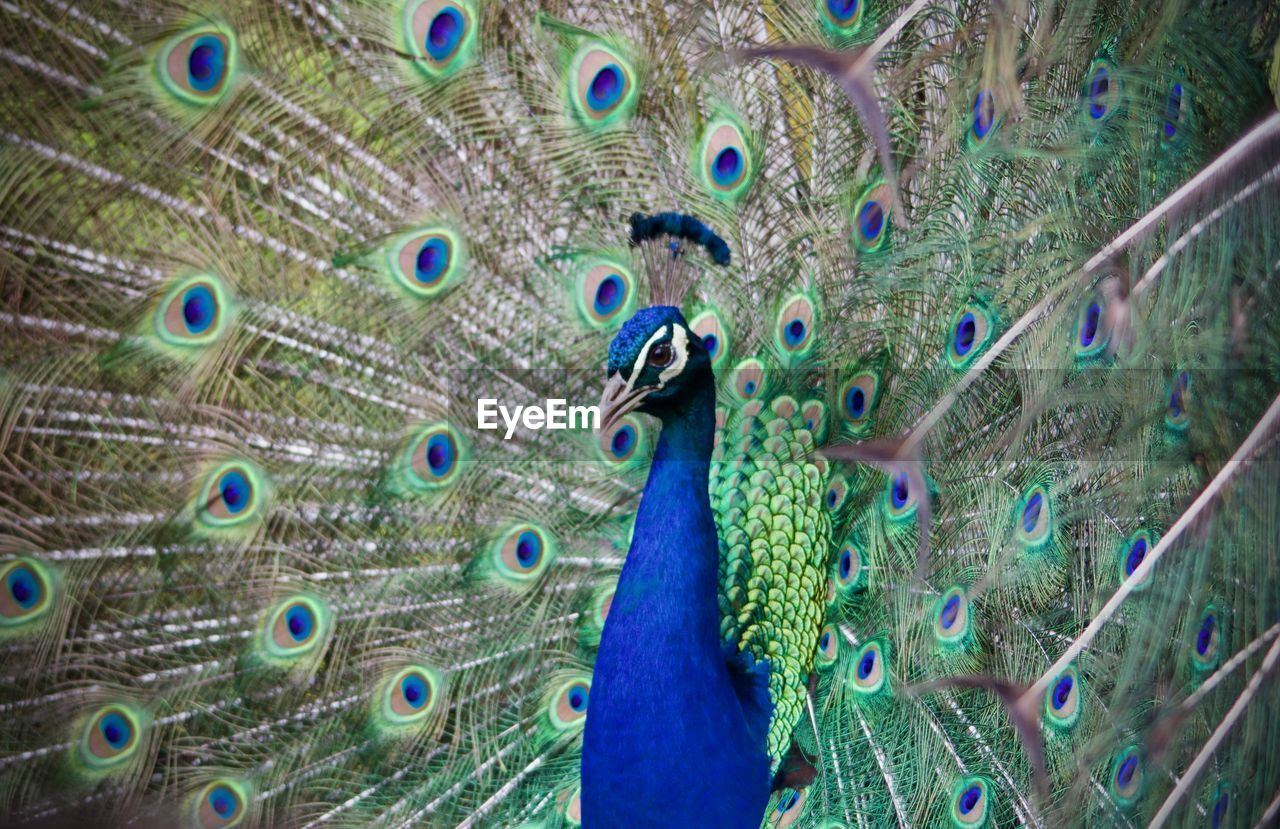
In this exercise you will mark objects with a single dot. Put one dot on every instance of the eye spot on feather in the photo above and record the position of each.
(521, 554)
(858, 396)
(1102, 91)
(440, 34)
(1035, 517)
(748, 379)
(1133, 551)
(603, 85)
(1178, 416)
(869, 672)
(567, 706)
(192, 313)
(725, 161)
(1091, 336)
(110, 736)
(900, 499)
(951, 617)
(850, 569)
(196, 66)
(970, 804)
(604, 293)
(971, 329)
(27, 592)
(426, 262)
(570, 802)
(230, 497)
(1177, 107)
(983, 118)
(1062, 702)
(1127, 776)
(794, 334)
(714, 334)
(789, 808)
(295, 627)
(1206, 648)
(828, 646)
(1221, 802)
(619, 444)
(837, 490)
(434, 458)
(221, 804)
(871, 219)
(842, 16)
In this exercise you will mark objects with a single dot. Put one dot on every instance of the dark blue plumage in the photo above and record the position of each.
(668, 742)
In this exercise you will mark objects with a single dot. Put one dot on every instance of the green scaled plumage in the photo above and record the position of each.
(996, 407)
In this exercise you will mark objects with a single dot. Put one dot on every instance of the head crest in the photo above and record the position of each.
(666, 240)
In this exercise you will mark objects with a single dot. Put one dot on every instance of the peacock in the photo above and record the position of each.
(933, 478)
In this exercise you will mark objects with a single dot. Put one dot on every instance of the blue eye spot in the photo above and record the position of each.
(842, 9)
(1089, 330)
(727, 167)
(788, 801)
(300, 623)
(609, 294)
(528, 549)
(23, 586)
(824, 641)
(1173, 111)
(223, 802)
(234, 489)
(1136, 554)
(855, 402)
(622, 441)
(198, 309)
(1099, 86)
(1220, 809)
(846, 564)
(578, 698)
(414, 691)
(901, 491)
(439, 454)
(432, 261)
(1062, 691)
(205, 63)
(749, 388)
(712, 342)
(606, 88)
(1205, 637)
(966, 331)
(1127, 769)
(115, 730)
(867, 664)
(443, 34)
(795, 332)
(950, 611)
(1031, 512)
(970, 799)
(871, 220)
(984, 114)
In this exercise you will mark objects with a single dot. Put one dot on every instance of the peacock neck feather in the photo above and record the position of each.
(666, 734)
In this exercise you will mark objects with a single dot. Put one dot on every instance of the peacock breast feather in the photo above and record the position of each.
(768, 490)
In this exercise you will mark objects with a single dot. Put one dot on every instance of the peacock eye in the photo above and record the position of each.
(660, 356)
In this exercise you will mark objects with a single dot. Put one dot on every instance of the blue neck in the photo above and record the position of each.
(665, 731)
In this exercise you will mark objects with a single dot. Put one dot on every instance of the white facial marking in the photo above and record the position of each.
(680, 342)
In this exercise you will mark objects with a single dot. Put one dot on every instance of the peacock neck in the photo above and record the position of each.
(666, 733)
(672, 563)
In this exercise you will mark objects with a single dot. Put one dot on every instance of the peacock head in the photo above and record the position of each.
(657, 365)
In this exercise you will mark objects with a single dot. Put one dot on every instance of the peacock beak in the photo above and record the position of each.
(618, 400)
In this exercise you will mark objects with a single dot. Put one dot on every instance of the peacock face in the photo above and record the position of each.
(654, 363)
